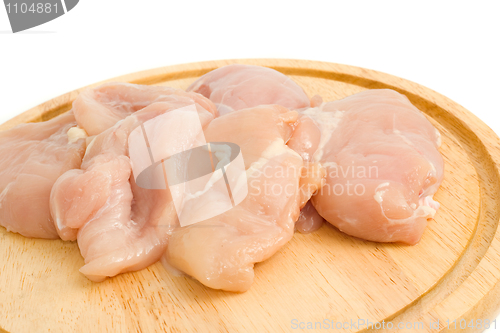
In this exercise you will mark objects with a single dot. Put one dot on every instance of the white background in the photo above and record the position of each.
(452, 47)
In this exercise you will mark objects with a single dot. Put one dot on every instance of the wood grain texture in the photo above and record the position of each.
(452, 274)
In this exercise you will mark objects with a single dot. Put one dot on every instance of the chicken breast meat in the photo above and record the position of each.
(382, 161)
(34, 155)
(220, 252)
(237, 87)
(119, 226)
(102, 107)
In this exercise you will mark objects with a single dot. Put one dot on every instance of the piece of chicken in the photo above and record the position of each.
(383, 164)
(101, 108)
(34, 155)
(220, 252)
(120, 226)
(237, 87)
(309, 220)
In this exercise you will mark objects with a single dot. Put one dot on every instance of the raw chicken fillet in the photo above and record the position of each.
(220, 252)
(119, 226)
(237, 87)
(382, 161)
(34, 155)
(100, 108)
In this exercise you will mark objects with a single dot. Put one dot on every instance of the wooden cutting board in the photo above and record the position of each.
(321, 279)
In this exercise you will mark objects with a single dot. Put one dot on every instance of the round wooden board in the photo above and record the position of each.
(320, 279)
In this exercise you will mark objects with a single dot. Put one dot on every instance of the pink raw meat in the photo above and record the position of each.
(34, 155)
(237, 87)
(309, 220)
(220, 252)
(383, 164)
(100, 108)
(119, 226)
